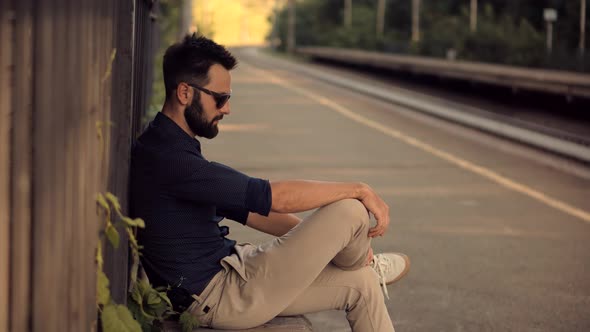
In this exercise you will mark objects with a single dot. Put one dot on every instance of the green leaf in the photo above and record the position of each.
(148, 314)
(113, 235)
(99, 259)
(132, 238)
(117, 318)
(101, 201)
(162, 289)
(188, 322)
(164, 297)
(136, 294)
(160, 309)
(153, 298)
(137, 222)
(103, 295)
(134, 269)
(146, 323)
(107, 73)
(144, 286)
(114, 201)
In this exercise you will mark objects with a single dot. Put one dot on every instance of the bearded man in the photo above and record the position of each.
(323, 262)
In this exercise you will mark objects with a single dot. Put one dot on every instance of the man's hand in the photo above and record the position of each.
(378, 208)
(369, 257)
(294, 196)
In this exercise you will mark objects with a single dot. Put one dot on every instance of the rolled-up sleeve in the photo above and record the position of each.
(206, 182)
(238, 215)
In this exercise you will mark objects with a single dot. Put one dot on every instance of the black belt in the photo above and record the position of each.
(180, 298)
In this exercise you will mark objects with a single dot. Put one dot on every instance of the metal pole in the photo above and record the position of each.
(415, 20)
(185, 18)
(347, 13)
(473, 20)
(549, 37)
(291, 27)
(275, 21)
(380, 18)
(582, 26)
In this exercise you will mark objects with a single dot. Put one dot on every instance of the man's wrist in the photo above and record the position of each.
(361, 190)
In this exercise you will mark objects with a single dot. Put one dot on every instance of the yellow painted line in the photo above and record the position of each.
(464, 164)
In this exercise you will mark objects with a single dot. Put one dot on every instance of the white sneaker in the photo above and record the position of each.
(390, 267)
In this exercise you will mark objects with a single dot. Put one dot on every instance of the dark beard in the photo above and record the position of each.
(197, 122)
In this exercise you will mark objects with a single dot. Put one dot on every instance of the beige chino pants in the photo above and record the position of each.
(318, 265)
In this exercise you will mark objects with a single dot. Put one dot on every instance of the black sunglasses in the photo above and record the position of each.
(220, 98)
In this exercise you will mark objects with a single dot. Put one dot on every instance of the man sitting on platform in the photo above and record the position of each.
(323, 262)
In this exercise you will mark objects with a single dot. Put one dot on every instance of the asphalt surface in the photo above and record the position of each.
(498, 235)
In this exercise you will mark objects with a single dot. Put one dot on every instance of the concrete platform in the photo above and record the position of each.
(294, 323)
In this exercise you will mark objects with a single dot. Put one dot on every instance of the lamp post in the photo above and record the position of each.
(380, 18)
(291, 27)
(416, 20)
(550, 16)
(473, 16)
(347, 13)
(582, 26)
(185, 18)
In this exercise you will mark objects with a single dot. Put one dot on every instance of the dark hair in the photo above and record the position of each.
(189, 61)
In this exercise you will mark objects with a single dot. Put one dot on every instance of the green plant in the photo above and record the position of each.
(147, 307)
(113, 316)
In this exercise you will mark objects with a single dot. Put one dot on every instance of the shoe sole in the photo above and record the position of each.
(404, 272)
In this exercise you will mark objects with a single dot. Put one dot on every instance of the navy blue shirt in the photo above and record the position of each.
(182, 197)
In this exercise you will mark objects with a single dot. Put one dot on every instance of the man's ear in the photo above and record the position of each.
(183, 93)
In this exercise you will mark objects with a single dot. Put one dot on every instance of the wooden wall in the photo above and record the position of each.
(55, 88)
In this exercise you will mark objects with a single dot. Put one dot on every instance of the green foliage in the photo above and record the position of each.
(102, 289)
(188, 322)
(508, 32)
(147, 307)
(117, 318)
(502, 40)
(168, 25)
(113, 235)
(109, 69)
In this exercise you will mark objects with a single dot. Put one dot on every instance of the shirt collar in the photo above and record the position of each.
(172, 130)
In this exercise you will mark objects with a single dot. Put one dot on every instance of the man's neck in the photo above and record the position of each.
(178, 118)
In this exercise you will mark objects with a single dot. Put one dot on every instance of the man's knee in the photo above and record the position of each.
(353, 208)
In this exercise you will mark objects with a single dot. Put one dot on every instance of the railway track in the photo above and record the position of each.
(547, 122)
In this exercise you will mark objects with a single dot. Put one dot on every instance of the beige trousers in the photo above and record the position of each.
(318, 265)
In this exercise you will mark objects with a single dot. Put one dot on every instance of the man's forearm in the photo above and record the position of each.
(299, 195)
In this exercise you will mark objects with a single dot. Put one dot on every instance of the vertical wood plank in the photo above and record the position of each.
(74, 165)
(91, 117)
(44, 278)
(60, 102)
(85, 132)
(68, 69)
(20, 293)
(116, 262)
(6, 42)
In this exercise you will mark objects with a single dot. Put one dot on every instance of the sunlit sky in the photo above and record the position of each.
(234, 22)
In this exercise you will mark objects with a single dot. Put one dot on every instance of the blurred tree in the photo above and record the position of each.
(168, 20)
(508, 31)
